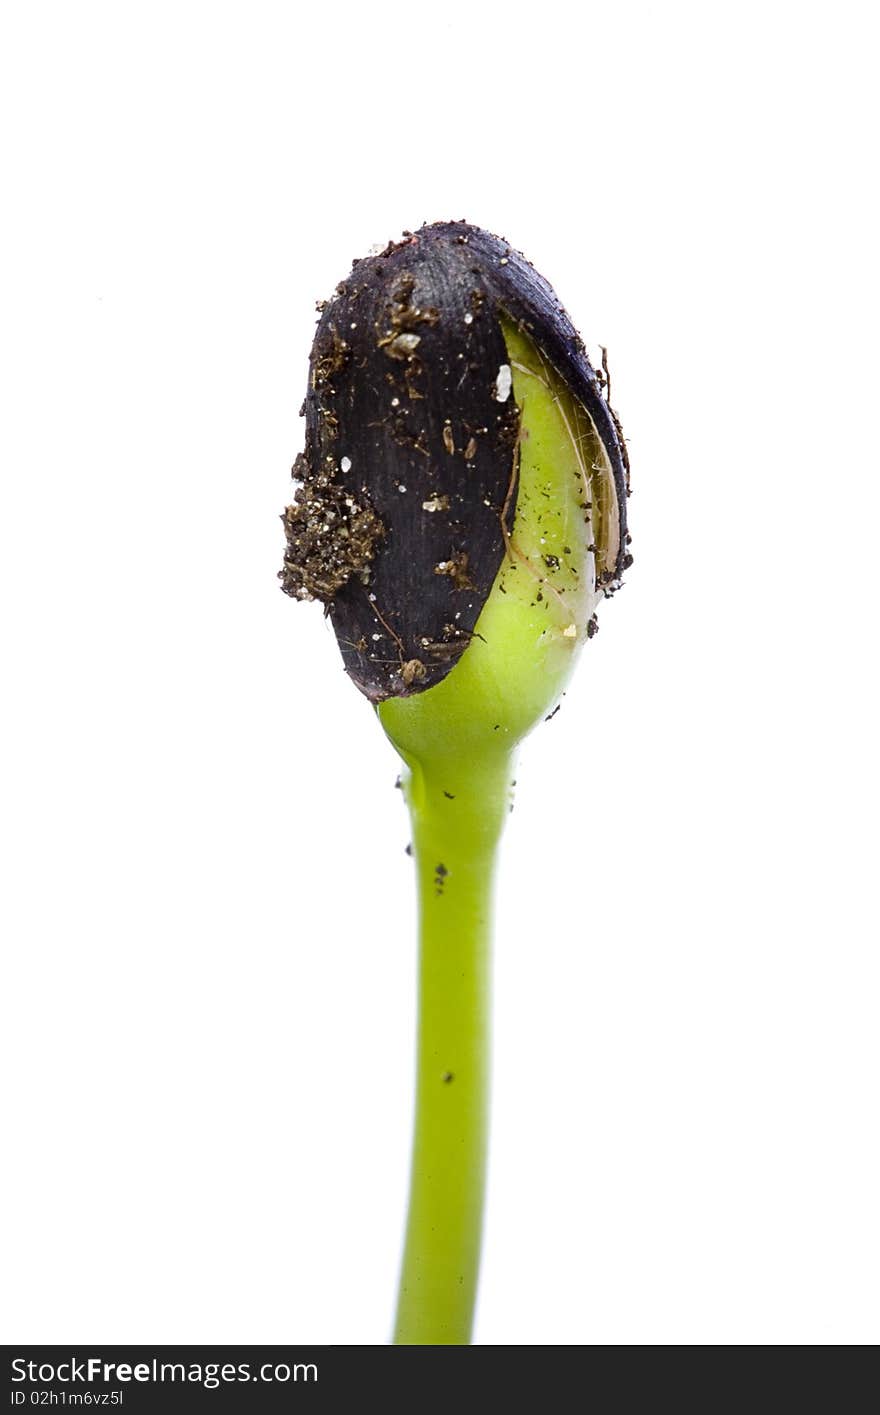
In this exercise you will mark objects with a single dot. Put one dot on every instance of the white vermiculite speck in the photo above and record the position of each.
(503, 384)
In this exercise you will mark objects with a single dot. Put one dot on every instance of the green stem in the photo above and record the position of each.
(458, 808)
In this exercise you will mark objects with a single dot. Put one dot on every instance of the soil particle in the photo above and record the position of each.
(332, 536)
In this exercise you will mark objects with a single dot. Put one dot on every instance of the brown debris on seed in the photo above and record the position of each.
(456, 567)
(331, 537)
(413, 672)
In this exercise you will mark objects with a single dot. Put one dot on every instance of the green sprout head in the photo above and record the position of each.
(461, 510)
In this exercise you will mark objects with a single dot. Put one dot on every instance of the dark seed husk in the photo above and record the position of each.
(411, 459)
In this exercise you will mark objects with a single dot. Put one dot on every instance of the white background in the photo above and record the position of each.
(209, 923)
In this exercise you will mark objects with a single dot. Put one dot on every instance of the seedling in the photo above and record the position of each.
(460, 512)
